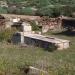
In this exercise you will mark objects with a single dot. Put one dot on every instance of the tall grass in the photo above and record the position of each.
(14, 57)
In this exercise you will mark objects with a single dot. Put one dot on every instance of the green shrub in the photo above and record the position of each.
(21, 11)
(6, 35)
(52, 47)
(27, 11)
(56, 10)
(44, 12)
(3, 10)
(35, 27)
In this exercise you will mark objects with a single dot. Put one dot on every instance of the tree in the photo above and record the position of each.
(3, 10)
(45, 7)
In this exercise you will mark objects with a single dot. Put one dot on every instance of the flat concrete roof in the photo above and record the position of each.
(46, 38)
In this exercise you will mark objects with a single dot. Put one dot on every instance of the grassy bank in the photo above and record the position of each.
(56, 63)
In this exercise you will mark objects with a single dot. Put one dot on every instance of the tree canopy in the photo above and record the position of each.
(45, 7)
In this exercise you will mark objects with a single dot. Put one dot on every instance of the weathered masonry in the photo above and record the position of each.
(42, 41)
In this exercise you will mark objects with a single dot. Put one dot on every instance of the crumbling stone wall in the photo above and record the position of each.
(50, 23)
(46, 22)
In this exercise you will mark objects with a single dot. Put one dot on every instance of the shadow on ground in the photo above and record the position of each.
(67, 33)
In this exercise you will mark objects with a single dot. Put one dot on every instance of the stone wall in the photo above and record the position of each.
(50, 23)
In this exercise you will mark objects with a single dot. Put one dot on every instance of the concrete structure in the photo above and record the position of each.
(26, 36)
(26, 27)
(11, 21)
(15, 20)
(42, 41)
(36, 71)
(22, 26)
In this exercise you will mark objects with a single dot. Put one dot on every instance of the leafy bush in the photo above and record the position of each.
(6, 35)
(34, 26)
(21, 11)
(44, 12)
(56, 10)
(27, 11)
(3, 10)
(52, 47)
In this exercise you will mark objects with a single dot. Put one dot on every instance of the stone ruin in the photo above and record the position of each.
(50, 23)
